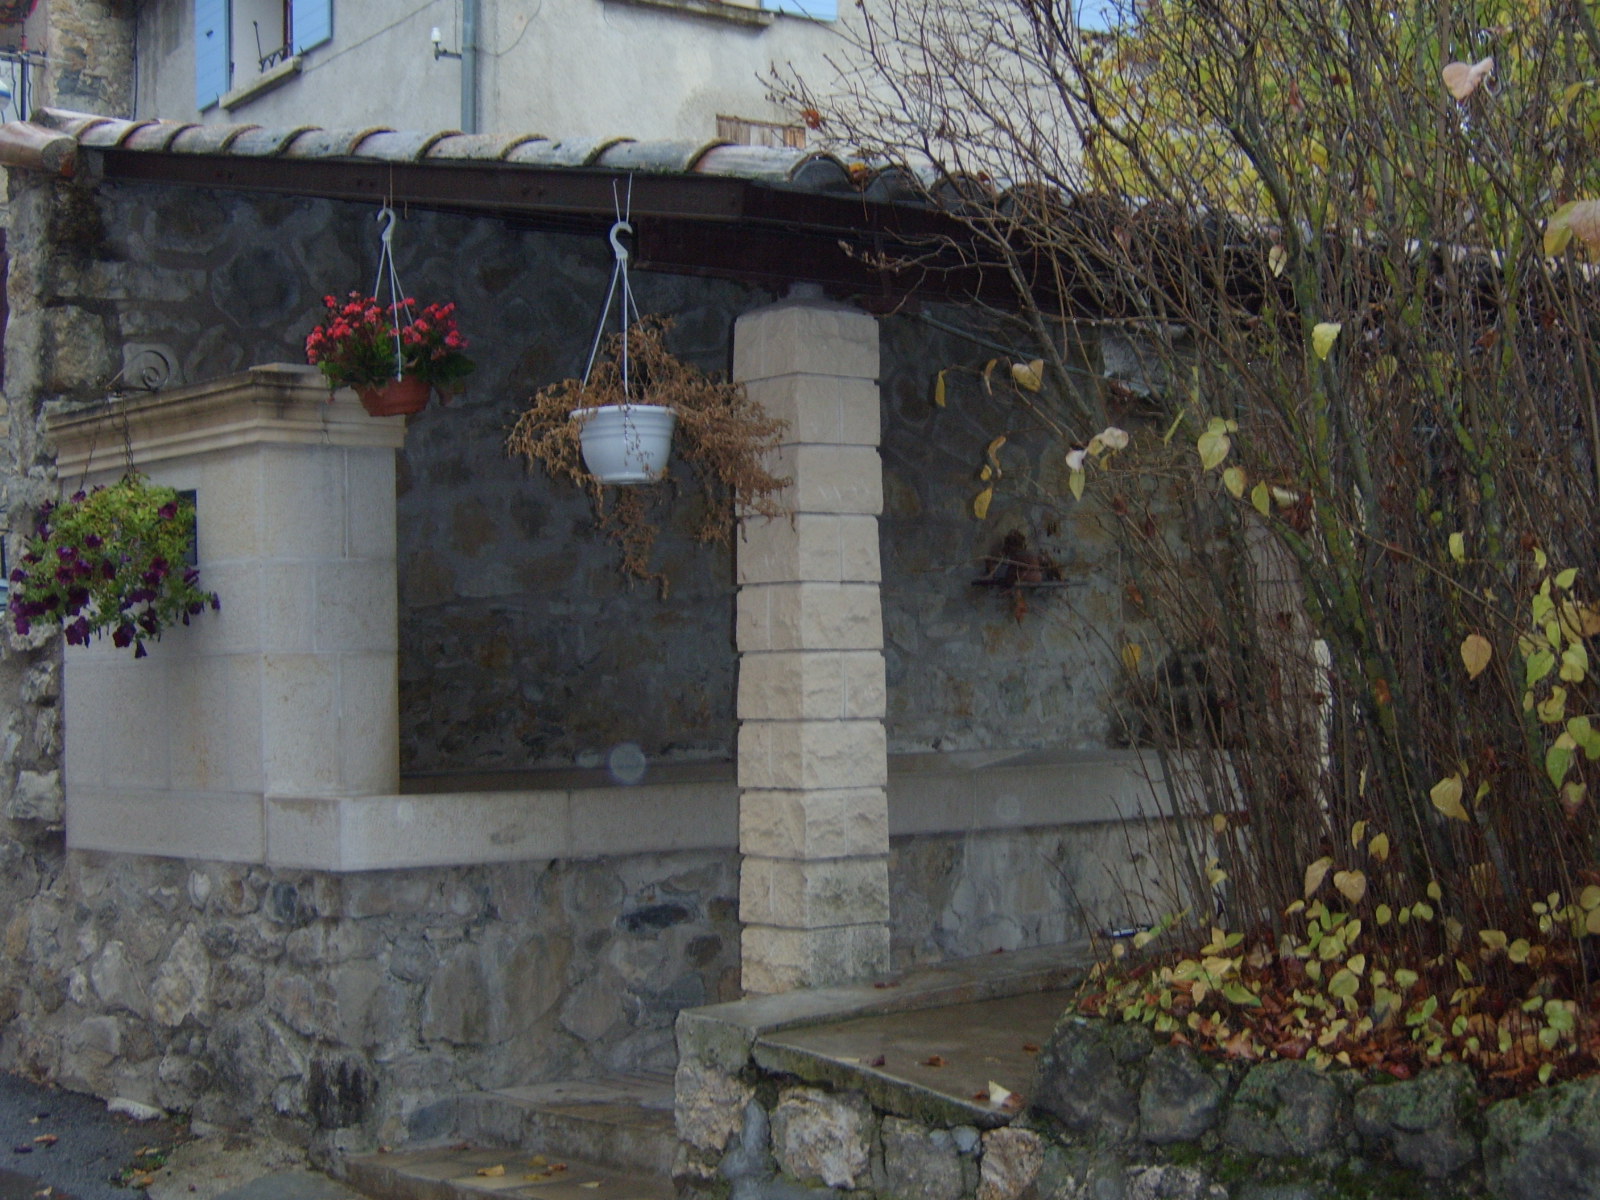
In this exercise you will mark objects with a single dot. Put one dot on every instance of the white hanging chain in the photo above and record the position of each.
(396, 293)
(619, 271)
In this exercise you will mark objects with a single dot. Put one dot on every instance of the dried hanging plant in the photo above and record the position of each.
(724, 436)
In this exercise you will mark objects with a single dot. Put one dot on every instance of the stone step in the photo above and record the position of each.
(459, 1173)
(620, 1122)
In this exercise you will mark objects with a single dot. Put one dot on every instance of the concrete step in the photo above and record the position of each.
(459, 1173)
(621, 1123)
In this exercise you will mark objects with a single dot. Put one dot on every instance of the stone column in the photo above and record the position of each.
(813, 761)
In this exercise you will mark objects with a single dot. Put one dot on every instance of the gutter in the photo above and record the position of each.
(469, 65)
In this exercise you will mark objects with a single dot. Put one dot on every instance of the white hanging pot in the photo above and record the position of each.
(626, 443)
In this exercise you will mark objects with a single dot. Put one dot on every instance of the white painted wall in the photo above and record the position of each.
(564, 68)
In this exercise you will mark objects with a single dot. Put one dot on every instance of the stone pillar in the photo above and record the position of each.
(813, 760)
(290, 692)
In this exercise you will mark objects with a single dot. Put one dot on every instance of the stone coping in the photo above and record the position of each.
(724, 1035)
(278, 403)
(581, 813)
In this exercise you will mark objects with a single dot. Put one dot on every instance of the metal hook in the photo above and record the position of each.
(387, 216)
(617, 247)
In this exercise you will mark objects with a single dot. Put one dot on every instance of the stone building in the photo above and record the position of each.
(351, 845)
(656, 69)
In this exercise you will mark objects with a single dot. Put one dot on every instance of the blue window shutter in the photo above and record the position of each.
(312, 23)
(818, 10)
(212, 53)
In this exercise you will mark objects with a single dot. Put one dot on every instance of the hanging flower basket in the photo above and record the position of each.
(361, 343)
(626, 443)
(395, 397)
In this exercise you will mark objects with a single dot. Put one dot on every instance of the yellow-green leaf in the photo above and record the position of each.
(1029, 375)
(1558, 230)
(1475, 654)
(1446, 797)
(1322, 337)
(1458, 547)
(992, 453)
(1540, 664)
(1315, 874)
(1591, 923)
(938, 389)
(1378, 847)
(1493, 940)
(1132, 656)
(1565, 579)
(1241, 995)
(1558, 761)
(1553, 708)
(980, 503)
(1233, 480)
(1518, 950)
(1261, 498)
(1585, 736)
(1213, 446)
(1352, 885)
(1277, 260)
(1344, 983)
(1574, 663)
(1075, 481)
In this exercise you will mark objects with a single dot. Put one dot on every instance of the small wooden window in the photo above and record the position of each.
(761, 133)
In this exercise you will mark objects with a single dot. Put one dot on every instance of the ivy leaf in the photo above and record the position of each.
(1132, 656)
(938, 390)
(1378, 847)
(1075, 481)
(1558, 230)
(1540, 664)
(1277, 260)
(1344, 983)
(980, 503)
(992, 453)
(1322, 338)
(1458, 547)
(1233, 480)
(1565, 579)
(1475, 654)
(1586, 736)
(1446, 797)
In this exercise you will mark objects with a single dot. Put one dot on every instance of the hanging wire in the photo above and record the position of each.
(619, 273)
(397, 296)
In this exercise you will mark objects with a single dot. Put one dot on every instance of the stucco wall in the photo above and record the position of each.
(565, 68)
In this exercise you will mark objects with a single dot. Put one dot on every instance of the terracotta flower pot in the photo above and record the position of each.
(396, 397)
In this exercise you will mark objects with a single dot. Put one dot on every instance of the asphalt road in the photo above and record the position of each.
(91, 1149)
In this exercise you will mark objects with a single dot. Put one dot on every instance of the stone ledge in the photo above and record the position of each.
(279, 404)
(717, 10)
(685, 807)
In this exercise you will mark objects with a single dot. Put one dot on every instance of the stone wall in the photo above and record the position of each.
(349, 1002)
(1115, 1112)
(521, 647)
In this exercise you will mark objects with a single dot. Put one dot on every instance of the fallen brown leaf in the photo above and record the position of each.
(493, 1172)
(933, 1060)
(1029, 1048)
(46, 1139)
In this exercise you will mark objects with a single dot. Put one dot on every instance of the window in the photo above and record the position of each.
(819, 10)
(236, 41)
(760, 133)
